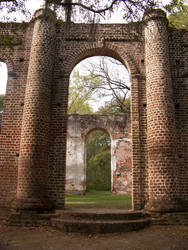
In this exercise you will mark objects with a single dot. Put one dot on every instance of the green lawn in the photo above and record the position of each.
(98, 199)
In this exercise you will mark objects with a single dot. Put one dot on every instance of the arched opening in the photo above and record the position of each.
(3, 77)
(3, 84)
(98, 161)
(99, 86)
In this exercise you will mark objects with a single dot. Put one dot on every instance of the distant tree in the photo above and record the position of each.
(179, 14)
(88, 9)
(8, 7)
(174, 6)
(82, 10)
(98, 172)
(113, 107)
(108, 78)
(79, 96)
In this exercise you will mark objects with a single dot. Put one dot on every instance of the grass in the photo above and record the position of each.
(98, 199)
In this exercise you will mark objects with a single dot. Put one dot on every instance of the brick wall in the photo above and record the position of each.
(119, 130)
(125, 42)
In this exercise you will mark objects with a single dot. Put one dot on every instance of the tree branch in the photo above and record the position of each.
(64, 4)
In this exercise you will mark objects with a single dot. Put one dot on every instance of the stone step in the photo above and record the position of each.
(99, 220)
(102, 214)
(95, 227)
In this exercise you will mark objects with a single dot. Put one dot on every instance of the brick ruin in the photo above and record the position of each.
(40, 59)
(119, 130)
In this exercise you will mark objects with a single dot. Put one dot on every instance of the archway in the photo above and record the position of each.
(78, 131)
(3, 76)
(28, 99)
(98, 161)
(3, 84)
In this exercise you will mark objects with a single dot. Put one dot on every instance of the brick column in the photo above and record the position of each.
(161, 131)
(33, 157)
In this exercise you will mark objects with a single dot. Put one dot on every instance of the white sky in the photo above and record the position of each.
(34, 5)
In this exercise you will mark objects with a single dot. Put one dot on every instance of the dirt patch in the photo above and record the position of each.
(46, 238)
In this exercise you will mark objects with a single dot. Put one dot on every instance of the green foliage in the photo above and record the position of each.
(79, 106)
(109, 80)
(114, 108)
(99, 199)
(79, 95)
(179, 14)
(2, 97)
(6, 39)
(174, 6)
(101, 79)
(98, 174)
(179, 20)
(12, 39)
(9, 40)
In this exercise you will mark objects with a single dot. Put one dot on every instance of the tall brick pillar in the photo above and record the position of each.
(33, 157)
(161, 131)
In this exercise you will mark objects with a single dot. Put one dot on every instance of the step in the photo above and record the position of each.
(102, 214)
(97, 226)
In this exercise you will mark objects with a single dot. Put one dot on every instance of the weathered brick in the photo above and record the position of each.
(33, 133)
(119, 130)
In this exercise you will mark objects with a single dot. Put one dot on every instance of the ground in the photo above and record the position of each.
(46, 238)
(99, 199)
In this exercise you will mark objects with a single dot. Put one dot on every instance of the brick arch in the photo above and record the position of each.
(110, 50)
(138, 95)
(8, 64)
(10, 70)
(98, 128)
(42, 63)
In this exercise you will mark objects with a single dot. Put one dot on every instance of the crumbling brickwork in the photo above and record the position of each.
(33, 134)
(119, 130)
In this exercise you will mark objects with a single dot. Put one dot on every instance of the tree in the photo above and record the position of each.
(98, 173)
(17, 7)
(87, 10)
(114, 108)
(79, 96)
(102, 79)
(109, 79)
(131, 9)
(179, 14)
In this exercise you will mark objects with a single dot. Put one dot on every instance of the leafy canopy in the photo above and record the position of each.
(87, 10)
(79, 96)
(102, 82)
(179, 14)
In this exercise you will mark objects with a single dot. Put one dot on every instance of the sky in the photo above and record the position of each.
(34, 5)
